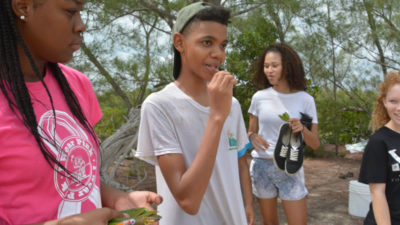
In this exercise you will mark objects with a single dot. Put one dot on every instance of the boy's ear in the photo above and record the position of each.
(178, 39)
(22, 8)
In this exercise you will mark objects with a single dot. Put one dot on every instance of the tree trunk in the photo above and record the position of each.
(118, 146)
(372, 24)
(145, 80)
(273, 12)
(333, 55)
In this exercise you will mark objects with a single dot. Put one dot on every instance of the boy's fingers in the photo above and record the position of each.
(218, 78)
(224, 77)
(234, 82)
(228, 81)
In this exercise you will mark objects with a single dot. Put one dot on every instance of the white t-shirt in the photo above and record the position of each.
(172, 122)
(268, 104)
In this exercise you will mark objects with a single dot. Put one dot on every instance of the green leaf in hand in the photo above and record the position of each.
(285, 116)
(142, 216)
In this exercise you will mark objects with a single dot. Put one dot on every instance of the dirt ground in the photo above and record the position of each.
(327, 202)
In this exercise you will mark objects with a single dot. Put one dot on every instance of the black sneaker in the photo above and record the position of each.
(295, 156)
(281, 147)
(306, 120)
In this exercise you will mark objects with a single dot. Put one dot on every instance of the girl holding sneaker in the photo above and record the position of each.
(280, 75)
(380, 166)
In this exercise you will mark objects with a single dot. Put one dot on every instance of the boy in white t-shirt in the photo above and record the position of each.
(193, 130)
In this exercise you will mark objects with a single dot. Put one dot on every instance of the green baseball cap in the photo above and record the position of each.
(186, 14)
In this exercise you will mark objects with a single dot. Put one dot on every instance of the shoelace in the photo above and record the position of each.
(284, 150)
(294, 154)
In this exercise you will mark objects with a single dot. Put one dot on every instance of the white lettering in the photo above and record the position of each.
(394, 155)
(69, 146)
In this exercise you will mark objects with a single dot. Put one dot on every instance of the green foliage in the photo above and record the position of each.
(343, 118)
(111, 121)
(337, 50)
(320, 152)
(113, 111)
(247, 43)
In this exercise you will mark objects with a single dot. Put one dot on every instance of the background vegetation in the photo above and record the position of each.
(347, 47)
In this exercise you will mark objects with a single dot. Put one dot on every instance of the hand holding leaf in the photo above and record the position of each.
(140, 216)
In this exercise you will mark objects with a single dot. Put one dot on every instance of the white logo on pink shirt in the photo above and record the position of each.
(80, 160)
(78, 157)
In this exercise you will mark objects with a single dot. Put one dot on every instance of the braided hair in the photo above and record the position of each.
(14, 89)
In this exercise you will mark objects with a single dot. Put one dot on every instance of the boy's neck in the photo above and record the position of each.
(194, 88)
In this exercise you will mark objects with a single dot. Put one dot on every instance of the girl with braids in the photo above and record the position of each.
(49, 153)
(380, 167)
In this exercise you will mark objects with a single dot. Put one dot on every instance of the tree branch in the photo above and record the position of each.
(107, 75)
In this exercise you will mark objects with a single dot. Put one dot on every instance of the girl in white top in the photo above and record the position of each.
(281, 75)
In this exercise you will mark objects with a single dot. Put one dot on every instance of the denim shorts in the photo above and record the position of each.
(269, 182)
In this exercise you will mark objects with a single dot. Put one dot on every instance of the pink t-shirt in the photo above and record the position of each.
(30, 190)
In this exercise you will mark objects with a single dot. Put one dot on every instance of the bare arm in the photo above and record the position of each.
(311, 137)
(188, 185)
(380, 204)
(97, 216)
(256, 140)
(114, 200)
(119, 200)
(246, 189)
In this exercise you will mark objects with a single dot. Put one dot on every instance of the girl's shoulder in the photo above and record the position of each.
(302, 97)
(305, 95)
(73, 75)
(263, 92)
(384, 133)
(383, 138)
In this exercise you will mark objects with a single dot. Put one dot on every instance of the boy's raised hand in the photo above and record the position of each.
(220, 90)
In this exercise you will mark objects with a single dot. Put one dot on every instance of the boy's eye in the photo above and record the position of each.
(207, 43)
(223, 46)
(72, 11)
